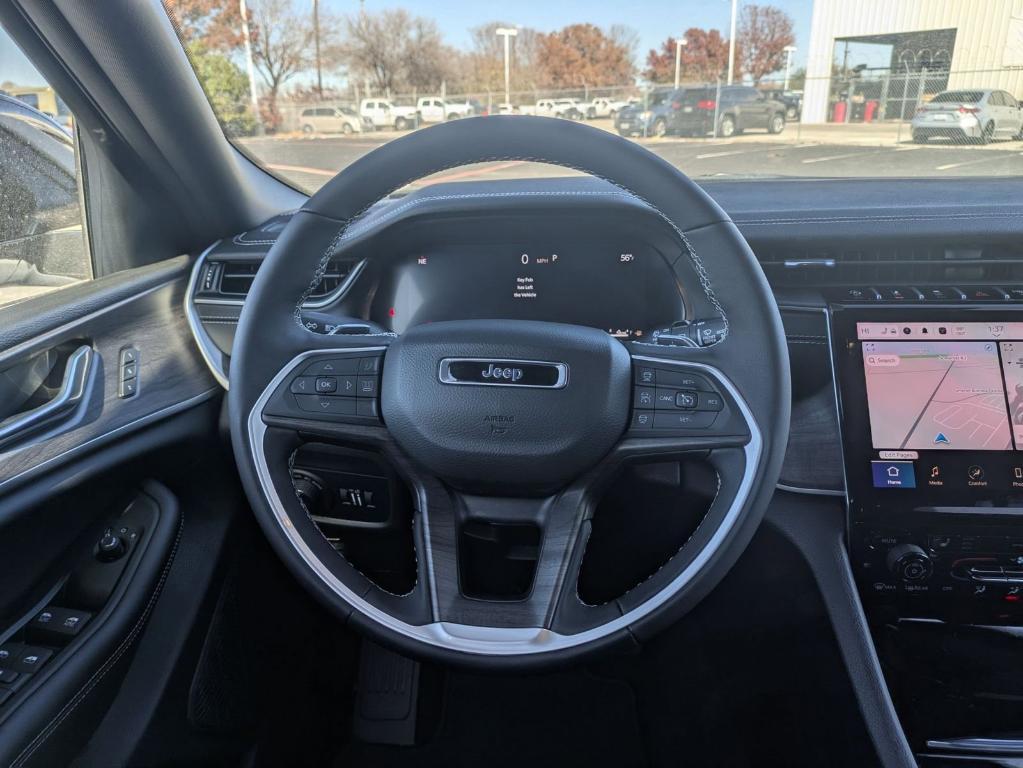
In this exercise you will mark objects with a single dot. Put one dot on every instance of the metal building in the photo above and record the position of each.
(879, 59)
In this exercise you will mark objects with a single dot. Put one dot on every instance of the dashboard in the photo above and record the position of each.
(905, 333)
(907, 359)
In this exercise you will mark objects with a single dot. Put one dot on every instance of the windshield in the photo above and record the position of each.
(849, 81)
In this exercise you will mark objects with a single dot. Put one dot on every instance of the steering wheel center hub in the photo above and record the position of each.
(498, 404)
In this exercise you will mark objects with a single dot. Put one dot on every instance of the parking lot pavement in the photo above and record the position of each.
(801, 151)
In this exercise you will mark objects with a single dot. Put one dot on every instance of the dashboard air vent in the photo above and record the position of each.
(892, 264)
(227, 280)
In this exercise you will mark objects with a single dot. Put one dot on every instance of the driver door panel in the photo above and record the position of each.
(82, 476)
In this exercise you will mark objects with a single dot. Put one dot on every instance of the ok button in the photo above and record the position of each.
(326, 384)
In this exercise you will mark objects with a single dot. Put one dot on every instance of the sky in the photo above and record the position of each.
(653, 21)
(13, 64)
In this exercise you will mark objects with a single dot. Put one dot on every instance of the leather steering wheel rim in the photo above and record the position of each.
(749, 363)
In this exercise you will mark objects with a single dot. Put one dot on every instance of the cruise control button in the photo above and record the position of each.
(686, 400)
(332, 366)
(710, 401)
(684, 420)
(333, 406)
(682, 380)
(664, 398)
(642, 419)
(643, 397)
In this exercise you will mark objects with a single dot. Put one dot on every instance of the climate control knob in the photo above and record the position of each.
(909, 562)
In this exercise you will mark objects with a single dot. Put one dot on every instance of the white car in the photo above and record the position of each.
(386, 114)
(567, 108)
(433, 109)
(976, 114)
(333, 120)
(604, 107)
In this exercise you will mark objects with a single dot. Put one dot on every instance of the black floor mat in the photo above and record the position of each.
(565, 719)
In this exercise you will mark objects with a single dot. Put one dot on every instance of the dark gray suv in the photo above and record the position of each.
(691, 112)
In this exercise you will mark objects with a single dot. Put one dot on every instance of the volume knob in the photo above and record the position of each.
(909, 562)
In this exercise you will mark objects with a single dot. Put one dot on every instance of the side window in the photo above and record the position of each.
(43, 243)
(996, 99)
(1010, 101)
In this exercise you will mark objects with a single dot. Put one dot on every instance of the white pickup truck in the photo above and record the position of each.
(385, 114)
(603, 107)
(433, 109)
(571, 109)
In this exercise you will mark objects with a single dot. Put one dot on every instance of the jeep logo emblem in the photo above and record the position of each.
(493, 372)
(503, 373)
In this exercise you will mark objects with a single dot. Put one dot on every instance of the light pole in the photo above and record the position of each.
(731, 44)
(249, 63)
(507, 33)
(316, 34)
(789, 50)
(679, 45)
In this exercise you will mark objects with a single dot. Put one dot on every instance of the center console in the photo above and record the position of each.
(931, 404)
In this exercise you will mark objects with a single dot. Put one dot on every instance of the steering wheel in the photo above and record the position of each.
(563, 394)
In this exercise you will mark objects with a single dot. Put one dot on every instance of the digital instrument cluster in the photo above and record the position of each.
(622, 290)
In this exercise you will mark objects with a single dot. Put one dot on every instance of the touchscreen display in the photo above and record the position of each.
(944, 386)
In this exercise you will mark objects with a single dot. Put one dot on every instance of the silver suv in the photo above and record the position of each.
(966, 114)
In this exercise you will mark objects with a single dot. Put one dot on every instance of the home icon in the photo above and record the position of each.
(893, 471)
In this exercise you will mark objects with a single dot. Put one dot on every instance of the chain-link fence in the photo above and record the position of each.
(862, 97)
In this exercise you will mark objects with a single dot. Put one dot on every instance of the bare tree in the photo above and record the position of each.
(394, 51)
(764, 31)
(283, 41)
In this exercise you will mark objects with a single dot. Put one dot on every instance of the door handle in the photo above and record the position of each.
(72, 390)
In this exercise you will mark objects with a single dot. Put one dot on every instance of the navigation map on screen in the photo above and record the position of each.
(936, 395)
